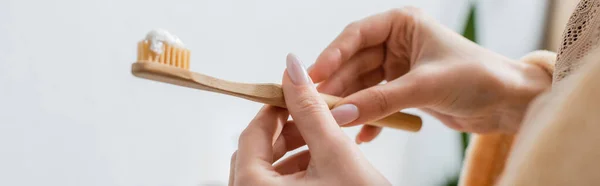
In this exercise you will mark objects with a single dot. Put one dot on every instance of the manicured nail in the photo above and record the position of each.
(296, 71)
(345, 114)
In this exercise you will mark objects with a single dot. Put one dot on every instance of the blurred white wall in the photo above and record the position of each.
(71, 113)
(512, 27)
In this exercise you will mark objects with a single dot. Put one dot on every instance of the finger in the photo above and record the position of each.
(367, 133)
(365, 81)
(232, 169)
(348, 73)
(310, 112)
(296, 163)
(255, 147)
(365, 33)
(290, 139)
(379, 101)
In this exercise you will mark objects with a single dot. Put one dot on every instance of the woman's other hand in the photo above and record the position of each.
(426, 66)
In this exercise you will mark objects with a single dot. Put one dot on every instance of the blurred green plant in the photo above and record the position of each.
(469, 33)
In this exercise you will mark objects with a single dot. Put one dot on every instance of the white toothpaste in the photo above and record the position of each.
(158, 37)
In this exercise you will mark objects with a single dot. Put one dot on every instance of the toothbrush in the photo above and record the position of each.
(162, 57)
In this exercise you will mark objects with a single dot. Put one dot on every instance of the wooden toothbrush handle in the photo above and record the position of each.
(271, 94)
(397, 120)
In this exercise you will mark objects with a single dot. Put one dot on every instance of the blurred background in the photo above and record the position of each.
(72, 114)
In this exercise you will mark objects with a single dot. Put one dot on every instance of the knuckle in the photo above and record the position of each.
(308, 105)
(396, 11)
(406, 11)
(353, 29)
(379, 98)
(352, 26)
(408, 14)
(245, 134)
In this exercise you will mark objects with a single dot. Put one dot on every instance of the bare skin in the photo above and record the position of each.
(426, 66)
(332, 157)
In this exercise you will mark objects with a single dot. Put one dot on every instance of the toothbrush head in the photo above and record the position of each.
(162, 47)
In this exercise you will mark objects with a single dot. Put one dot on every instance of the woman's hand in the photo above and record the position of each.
(426, 66)
(331, 159)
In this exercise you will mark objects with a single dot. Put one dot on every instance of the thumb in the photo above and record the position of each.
(382, 100)
(310, 112)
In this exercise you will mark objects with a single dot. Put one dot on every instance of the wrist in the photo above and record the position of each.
(535, 76)
(542, 59)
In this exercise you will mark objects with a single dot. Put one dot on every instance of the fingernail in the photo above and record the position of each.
(345, 114)
(296, 71)
(358, 141)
